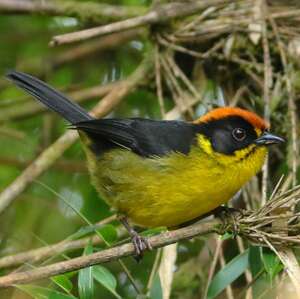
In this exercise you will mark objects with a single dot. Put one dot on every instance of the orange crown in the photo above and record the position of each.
(218, 113)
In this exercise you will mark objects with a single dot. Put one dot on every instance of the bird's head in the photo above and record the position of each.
(233, 134)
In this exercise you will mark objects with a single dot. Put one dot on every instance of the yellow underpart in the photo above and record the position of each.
(170, 190)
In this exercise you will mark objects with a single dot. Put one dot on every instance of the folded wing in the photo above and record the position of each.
(145, 137)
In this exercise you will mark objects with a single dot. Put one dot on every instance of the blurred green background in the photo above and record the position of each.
(42, 215)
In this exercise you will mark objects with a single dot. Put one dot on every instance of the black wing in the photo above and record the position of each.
(145, 137)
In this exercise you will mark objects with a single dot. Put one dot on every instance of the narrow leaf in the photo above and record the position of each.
(228, 274)
(271, 263)
(63, 282)
(156, 289)
(106, 279)
(42, 293)
(255, 262)
(85, 278)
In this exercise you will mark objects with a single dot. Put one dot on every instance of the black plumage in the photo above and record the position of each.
(50, 97)
(220, 134)
(144, 137)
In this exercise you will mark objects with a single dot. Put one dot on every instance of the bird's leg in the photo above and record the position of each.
(225, 212)
(221, 212)
(140, 243)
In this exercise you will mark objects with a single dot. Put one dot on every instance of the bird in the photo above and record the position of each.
(159, 173)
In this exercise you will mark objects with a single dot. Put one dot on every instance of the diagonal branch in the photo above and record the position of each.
(49, 251)
(87, 11)
(159, 14)
(31, 108)
(256, 226)
(107, 255)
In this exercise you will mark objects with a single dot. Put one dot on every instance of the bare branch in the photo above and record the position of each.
(158, 15)
(256, 226)
(32, 108)
(66, 245)
(87, 11)
(107, 255)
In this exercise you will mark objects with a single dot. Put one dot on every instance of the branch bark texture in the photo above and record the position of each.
(159, 14)
(111, 254)
(87, 11)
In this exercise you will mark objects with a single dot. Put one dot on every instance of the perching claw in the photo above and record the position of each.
(140, 243)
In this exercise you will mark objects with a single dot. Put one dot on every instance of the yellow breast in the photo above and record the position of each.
(170, 190)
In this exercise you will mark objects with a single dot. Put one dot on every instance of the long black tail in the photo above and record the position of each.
(50, 97)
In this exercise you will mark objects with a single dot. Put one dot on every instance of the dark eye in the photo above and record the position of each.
(239, 134)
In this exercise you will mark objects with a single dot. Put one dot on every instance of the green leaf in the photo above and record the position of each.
(106, 279)
(156, 289)
(109, 233)
(227, 236)
(82, 232)
(85, 278)
(228, 274)
(255, 261)
(42, 293)
(271, 263)
(63, 282)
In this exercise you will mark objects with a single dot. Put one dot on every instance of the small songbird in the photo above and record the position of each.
(163, 173)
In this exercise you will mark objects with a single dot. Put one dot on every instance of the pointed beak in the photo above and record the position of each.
(268, 139)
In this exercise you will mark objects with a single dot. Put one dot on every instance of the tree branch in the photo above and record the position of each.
(31, 108)
(87, 11)
(111, 254)
(53, 152)
(159, 14)
(256, 226)
(48, 251)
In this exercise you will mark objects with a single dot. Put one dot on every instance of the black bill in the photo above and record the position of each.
(268, 139)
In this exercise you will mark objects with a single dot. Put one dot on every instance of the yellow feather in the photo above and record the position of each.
(170, 190)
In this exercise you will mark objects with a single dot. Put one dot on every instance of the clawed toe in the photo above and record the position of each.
(140, 245)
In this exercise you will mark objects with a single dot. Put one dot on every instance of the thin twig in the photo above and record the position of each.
(154, 270)
(213, 265)
(291, 102)
(248, 274)
(45, 252)
(31, 108)
(229, 292)
(159, 14)
(267, 86)
(88, 11)
(159, 82)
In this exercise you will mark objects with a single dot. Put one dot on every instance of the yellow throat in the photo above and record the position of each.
(170, 190)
